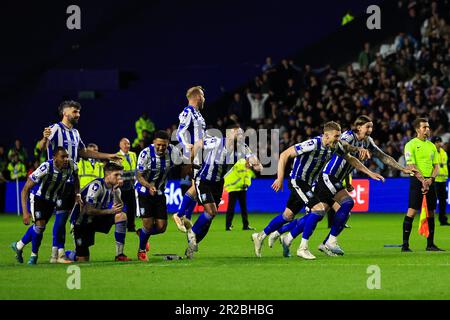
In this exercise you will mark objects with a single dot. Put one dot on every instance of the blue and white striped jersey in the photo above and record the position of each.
(50, 180)
(216, 158)
(155, 168)
(97, 194)
(192, 126)
(338, 166)
(69, 139)
(311, 158)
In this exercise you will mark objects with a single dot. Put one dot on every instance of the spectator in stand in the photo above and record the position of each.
(365, 57)
(257, 102)
(143, 124)
(18, 150)
(268, 66)
(237, 106)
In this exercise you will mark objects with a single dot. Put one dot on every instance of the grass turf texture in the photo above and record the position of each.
(225, 266)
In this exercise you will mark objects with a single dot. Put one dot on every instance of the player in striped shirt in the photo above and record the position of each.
(219, 154)
(310, 158)
(102, 209)
(191, 129)
(154, 164)
(330, 183)
(45, 185)
(63, 134)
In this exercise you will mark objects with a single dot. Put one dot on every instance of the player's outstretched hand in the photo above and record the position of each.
(376, 176)
(277, 185)
(364, 154)
(114, 158)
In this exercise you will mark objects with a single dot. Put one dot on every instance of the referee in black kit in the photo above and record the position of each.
(421, 154)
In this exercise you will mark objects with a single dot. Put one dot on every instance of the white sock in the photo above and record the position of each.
(54, 252)
(119, 248)
(276, 233)
(20, 245)
(33, 254)
(332, 240)
(288, 239)
(61, 252)
(304, 244)
(262, 235)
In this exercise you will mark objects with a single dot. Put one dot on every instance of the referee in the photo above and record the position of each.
(421, 154)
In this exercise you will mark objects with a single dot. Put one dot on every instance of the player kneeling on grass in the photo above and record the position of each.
(154, 164)
(102, 209)
(45, 185)
(218, 154)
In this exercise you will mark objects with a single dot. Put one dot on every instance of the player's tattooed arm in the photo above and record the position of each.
(91, 154)
(92, 211)
(388, 160)
(142, 181)
(361, 167)
(364, 154)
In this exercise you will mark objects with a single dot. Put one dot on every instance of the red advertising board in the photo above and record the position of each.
(360, 195)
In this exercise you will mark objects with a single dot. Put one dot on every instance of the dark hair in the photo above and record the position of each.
(436, 139)
(112, 166)
(161, 134)
(67, 104)
(418, 121)
(361, 120)
(331, 125)
(59, 150)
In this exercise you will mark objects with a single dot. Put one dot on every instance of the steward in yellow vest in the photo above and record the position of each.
(441, 180)
(237, 181)
(129, 162)
(89, 169)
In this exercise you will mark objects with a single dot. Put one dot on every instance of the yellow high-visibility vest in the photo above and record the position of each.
(129, 170)
(87, 172)
(239, 177)
(443, 168)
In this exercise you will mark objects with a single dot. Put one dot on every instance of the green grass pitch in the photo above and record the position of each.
(225, 266)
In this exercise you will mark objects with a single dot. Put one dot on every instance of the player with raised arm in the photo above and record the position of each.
(154, 164)
(101, 210)
(45, 185)
(63, 134)
(191, 129)
(219, 153)
(310, 158)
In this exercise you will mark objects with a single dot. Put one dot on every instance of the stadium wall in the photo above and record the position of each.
(370, 196)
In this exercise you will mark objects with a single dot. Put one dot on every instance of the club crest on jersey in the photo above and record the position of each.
(38, 215)
(309, 194)
(58, 203)
(203, 197)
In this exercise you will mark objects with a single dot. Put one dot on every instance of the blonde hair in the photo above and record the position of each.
(193, 91)
(331, 125)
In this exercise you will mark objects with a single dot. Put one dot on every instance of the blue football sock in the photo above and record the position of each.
(199, 237)
(120, 231)
(38, 234)
(312, 219)
(185, 204)
(190, 210)
(59, 229)
(298, 227)
(288, 226)
(201, 223)
(144, 235)
(341, 217)
(27, 237)
(275, 224)
(71, 255)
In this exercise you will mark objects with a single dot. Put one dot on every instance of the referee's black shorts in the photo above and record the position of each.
(416, 196)
(301, 195)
